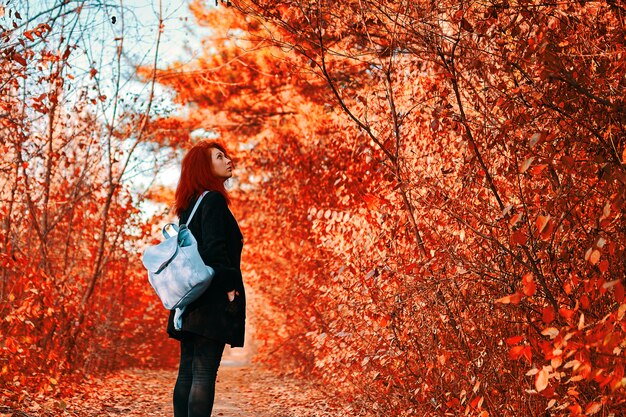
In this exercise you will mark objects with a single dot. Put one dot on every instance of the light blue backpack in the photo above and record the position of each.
(175, 269)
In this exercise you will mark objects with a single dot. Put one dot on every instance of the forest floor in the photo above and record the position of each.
(243, 390)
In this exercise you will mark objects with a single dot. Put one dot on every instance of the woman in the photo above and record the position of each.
(218, 316)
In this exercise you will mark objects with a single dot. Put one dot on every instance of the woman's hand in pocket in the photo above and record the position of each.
(232, 307)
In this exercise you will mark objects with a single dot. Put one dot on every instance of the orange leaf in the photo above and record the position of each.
(536, 138)
(11, 345)
(528, 284)
(475, 401)
(594, 257)
(541, 222)
(514, 340)
(526, 164)
(384, 320)
(584, 301)
(541, 380)
(567, 287)
(547, 315)
(593, 408)
(607, 284)
(551, 332)
(547, 231)
(528, 355)
(518, 237)
(566, 313)
(510, 299)
(538, 169)
(515, 219)
(517, 352)
(18, 58)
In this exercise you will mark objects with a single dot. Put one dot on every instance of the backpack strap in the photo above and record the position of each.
(195, 207)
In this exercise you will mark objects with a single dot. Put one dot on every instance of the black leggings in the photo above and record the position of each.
(194, 391)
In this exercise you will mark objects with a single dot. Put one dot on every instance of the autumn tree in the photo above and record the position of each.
(433, 195)
(73, 296)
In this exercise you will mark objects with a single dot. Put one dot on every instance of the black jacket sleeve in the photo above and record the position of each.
(213, 250)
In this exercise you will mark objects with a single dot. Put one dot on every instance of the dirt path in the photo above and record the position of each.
(243, 390)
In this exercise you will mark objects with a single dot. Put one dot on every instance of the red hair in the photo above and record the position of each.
(196, 175)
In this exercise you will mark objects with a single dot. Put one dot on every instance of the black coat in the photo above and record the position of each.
(220, 243)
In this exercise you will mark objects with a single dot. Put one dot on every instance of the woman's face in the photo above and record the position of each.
(221, 165)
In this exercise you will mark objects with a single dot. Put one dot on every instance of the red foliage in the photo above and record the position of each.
(74, 298)
(432, 195)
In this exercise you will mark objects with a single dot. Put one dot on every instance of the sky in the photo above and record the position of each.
(181, 37)
(103, 26)
(101, 29)
(180, 43)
